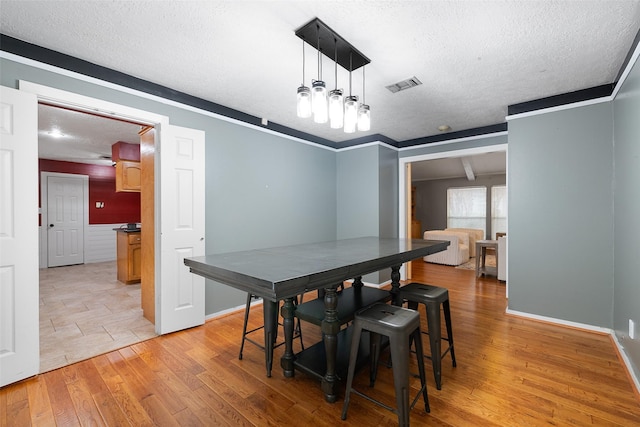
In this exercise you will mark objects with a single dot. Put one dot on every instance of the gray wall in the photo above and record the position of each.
(561, 215)
(261, 189)
(357, 192)
(388, 192)
(431, 199)
(367, 194)
(626, 293)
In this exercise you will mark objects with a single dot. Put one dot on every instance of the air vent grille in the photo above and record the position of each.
(404, 84)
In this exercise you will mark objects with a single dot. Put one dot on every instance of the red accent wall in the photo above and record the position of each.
(118, 207)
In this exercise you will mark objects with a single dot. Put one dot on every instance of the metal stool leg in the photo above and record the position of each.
(435, 336)
(353, 355)
(417, 337)
(399, 347)
(244, 326)
(375, 341)
(447, 320)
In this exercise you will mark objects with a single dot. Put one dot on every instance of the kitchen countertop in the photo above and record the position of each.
(128, 230)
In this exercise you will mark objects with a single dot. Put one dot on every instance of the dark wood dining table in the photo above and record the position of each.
(282, 273)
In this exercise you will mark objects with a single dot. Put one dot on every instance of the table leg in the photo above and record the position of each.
(270, 314)
(480, 260)
(286, 361)
(357, 282)
(395, 285)
(330, 328)
(496, 251)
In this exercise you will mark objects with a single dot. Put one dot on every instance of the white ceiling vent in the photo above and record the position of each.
(404, 84)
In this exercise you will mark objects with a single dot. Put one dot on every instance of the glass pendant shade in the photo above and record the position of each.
(336, 109)
(350, 114)
(319, 102)
(364, 118)
(304, 102)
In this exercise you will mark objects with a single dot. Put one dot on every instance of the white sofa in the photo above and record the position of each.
(474, 234)
(457, 252)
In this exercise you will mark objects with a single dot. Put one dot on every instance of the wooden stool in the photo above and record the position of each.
(245, 333)
(432, 297)
(400, 325)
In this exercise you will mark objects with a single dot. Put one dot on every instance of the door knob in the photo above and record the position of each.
(50, 225)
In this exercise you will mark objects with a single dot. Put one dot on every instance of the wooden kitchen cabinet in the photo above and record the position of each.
(128, 176)
(129, 256)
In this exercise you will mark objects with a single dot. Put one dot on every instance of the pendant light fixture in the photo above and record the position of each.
(350, 107)
(341, 112)
(319, 99)
(336, 112)
(304, 94)
(364, 113)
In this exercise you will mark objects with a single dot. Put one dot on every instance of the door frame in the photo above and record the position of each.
(61, 98)
(404, 187)
(44, 210)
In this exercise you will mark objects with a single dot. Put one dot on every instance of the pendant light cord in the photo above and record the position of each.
(363, 67)
(350, 69)
(302, 63)
(335, 43)
(319, 56)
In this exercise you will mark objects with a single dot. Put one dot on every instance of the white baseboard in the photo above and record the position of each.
(229, 310)
(627, 362)
(561, 322)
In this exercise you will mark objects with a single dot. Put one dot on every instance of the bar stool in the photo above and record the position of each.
(432, 297)
(399, 324)
(297, 333)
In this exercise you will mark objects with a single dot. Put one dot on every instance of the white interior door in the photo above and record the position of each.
(19, 293)
(65, 220)
(180, 301)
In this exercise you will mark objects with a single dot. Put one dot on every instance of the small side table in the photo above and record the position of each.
(481, 257)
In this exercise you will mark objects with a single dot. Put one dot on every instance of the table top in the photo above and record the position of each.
(282, 272)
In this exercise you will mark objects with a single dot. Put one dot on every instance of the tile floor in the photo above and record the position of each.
(85, 311)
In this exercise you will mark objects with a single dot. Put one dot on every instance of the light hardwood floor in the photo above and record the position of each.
(511, 372)
(85, 311)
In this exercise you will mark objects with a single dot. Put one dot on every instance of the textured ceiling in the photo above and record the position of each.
(453, 167)
(474, 57)
(79, 137)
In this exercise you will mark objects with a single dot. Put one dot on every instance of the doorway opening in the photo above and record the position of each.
(405, 181)
(84, 309)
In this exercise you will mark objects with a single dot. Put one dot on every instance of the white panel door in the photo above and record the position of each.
(181, 223)
(19, 293)
(65, 220)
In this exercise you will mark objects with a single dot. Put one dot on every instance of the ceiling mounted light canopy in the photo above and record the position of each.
(339, 111)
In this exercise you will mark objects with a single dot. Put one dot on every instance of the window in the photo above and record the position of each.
(467, 208)
(498, 209)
